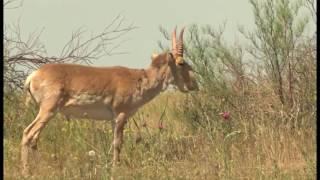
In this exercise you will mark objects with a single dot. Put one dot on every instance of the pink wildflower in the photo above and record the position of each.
(225, 115)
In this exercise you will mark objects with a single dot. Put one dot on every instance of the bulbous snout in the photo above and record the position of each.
(191, 82)
(192, 86)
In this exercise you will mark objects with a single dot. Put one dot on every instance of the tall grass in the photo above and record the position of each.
(251, 144)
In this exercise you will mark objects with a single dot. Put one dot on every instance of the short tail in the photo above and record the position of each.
(27, 88)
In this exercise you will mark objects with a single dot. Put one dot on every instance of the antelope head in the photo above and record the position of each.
(174, 68)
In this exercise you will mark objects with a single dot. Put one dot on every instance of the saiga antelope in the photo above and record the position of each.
(102, 93)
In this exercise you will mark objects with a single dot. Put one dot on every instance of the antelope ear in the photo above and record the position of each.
(171, 57)
(154, 56)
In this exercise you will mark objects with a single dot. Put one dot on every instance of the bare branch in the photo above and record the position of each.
(12, 4)
(311, 5)
(22, 55)
(96, 46)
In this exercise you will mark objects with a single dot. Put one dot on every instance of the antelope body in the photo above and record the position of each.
(101, 93)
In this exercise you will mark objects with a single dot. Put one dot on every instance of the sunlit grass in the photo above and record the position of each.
(237, 148)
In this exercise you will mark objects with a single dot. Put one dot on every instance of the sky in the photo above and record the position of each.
(60, 18)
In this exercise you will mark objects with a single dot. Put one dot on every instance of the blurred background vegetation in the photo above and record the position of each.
(254, 117)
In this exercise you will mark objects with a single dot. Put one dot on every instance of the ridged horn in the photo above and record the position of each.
(174, 42)
(179, 44)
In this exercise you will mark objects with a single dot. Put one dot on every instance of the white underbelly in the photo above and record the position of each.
(88, 106)
(88, 112)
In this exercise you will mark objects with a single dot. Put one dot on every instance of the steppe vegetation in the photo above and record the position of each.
(253, 118)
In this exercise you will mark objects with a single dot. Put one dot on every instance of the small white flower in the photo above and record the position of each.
(92, 153)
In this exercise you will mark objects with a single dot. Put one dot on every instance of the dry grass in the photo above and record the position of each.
(238, 148)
